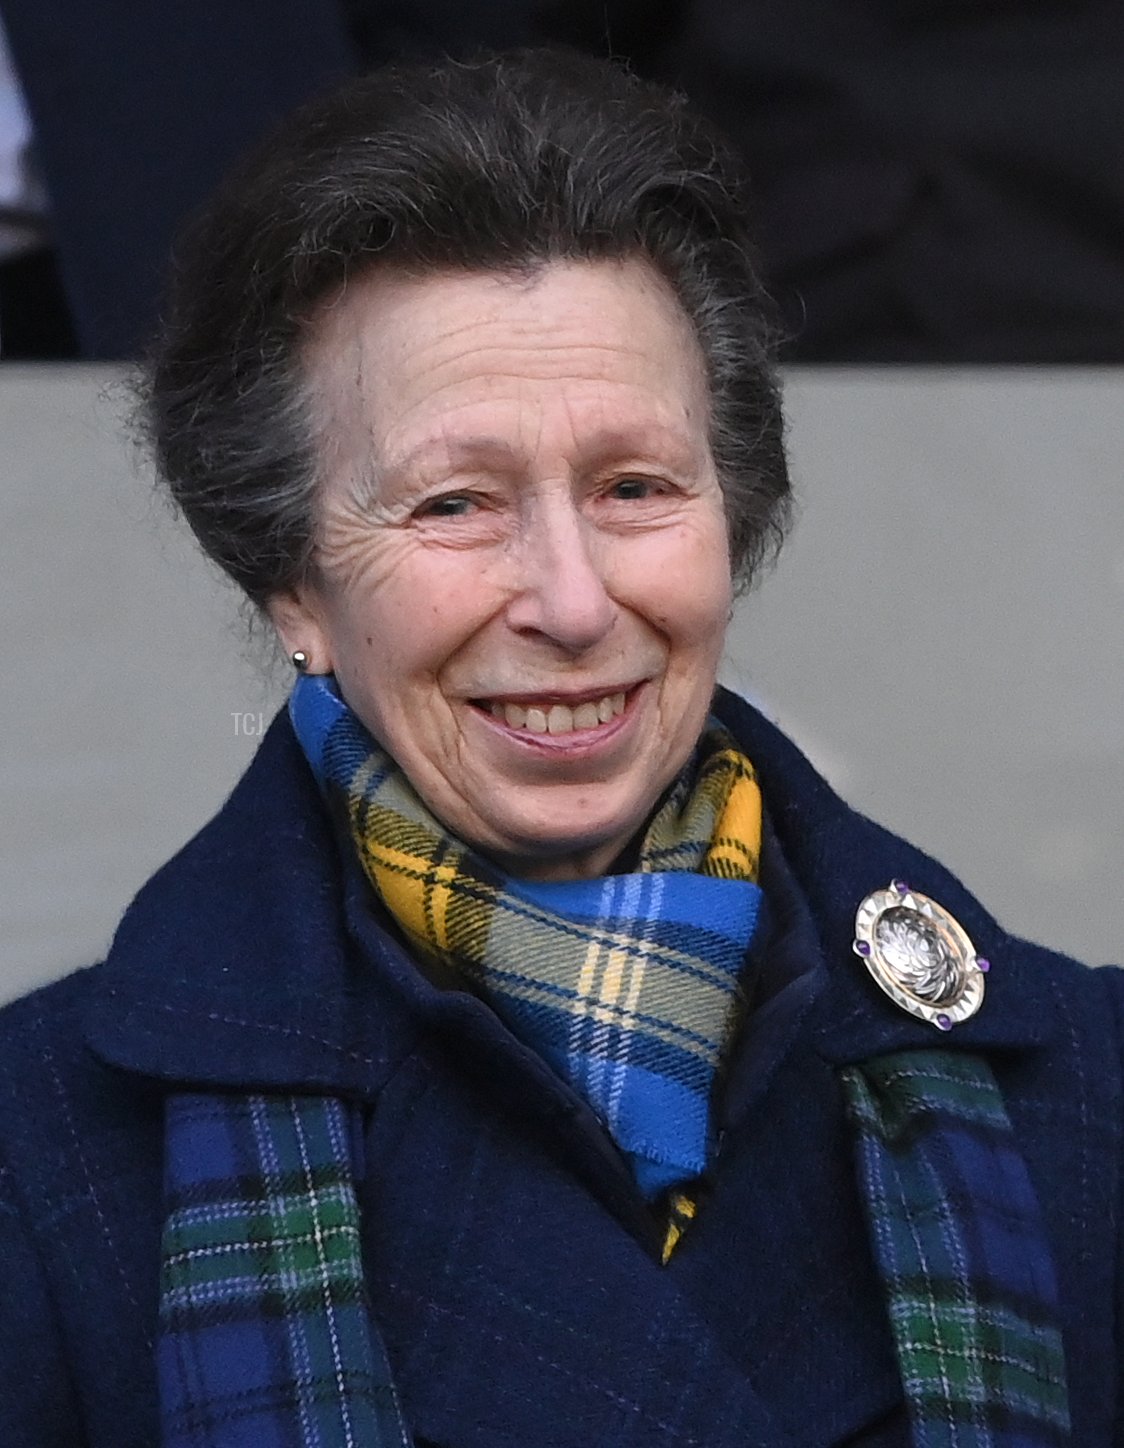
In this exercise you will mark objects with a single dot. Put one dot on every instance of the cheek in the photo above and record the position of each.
(398, 630)
(378, 590)
(689, 589)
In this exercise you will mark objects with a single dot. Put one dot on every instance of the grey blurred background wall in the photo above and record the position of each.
(942, 635)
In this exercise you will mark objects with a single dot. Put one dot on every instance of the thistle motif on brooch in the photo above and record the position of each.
(920, 955)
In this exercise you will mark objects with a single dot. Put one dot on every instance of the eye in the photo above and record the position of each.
(451, 505)
(634, 489)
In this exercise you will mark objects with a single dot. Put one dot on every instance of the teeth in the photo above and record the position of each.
(559, 718)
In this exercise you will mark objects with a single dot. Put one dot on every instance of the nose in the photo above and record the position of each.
(561, 592)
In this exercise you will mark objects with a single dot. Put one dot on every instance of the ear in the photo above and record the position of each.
(298, 617)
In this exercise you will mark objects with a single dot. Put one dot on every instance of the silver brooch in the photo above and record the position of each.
(920, 956)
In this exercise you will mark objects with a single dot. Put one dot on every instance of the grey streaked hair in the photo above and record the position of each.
(506, 163)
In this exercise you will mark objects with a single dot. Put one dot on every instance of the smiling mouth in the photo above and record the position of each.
(547, 716)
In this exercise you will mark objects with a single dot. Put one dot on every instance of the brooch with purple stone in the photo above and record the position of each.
(920, 956)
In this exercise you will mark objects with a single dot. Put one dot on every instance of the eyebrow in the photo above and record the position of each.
(478, 448)
(651, 444)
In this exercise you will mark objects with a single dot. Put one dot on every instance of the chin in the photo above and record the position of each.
(557, 853)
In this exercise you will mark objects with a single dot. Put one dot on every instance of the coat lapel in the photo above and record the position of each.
(517, 1308)
(517, 1272)
(837, 858)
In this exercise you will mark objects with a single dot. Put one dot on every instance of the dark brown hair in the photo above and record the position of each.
(504, 163)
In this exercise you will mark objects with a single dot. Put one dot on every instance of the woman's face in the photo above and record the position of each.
(522, 577)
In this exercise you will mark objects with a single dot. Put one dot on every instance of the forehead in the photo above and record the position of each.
(576, 353)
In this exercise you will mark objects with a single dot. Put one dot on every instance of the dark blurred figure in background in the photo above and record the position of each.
(937, 180)
(34, 316)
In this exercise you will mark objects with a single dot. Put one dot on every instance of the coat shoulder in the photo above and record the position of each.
(58, 1100)
(80, 1214)
(41, 1033)
(43, 1050)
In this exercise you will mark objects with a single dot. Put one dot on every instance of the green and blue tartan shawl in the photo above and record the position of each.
(266, 1339)
(266, 1336)
(962, 1251)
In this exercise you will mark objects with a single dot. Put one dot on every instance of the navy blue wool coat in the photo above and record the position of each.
(512, 1265)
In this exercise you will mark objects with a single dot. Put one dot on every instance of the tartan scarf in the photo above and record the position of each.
(628, 985)
(266, 1339)
(266, 1336)
(962, 1251)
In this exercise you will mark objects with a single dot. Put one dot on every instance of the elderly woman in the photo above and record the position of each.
(498, 1067)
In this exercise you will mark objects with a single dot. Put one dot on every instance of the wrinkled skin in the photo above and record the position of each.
(518, 507)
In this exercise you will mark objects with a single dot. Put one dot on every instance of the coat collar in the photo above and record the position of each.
(236, 966)
(838, 857)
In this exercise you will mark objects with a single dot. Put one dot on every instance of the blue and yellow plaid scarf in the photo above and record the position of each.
(628, 984)
(266, 1333)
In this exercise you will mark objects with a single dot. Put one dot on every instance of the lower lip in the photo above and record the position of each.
(578, 743)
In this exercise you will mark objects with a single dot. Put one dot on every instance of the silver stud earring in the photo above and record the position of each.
(300, 660)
